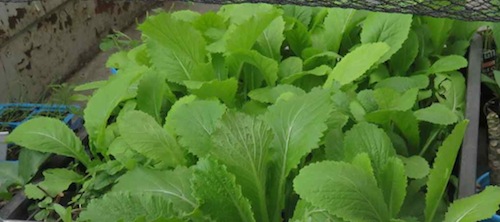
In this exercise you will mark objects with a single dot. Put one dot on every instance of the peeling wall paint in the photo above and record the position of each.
(45, 48)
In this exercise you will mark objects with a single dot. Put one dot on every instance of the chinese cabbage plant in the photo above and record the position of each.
(267, 113)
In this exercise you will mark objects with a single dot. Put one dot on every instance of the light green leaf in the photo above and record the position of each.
(321, 70)
(475, 208)
(320, 59)
(186, 15)
(123, 153)
(194, 122)
(9, 176)
(416, 167)
(269, 42)
(301, 13)
(173, 185)
(29, 163)
(104, 101)
(350, 68)
(447, 64)
(363, 161)
(368, 138)
(343, 189)
(389, 99)
(404, 57)
(305, 212)
(392, 29)
(298, 125)
(241, 37)
(90, 85)
(338, 23)
(407, 123)
(55, 181)
(436, 113)
(50, 136)
(225, 90)
(267, 67)
(130, 207)
(145, 136)
(367, 99)
(216, 189)
(290, 66)
(442, 168)
(271, 94)
(438, 39)
(242, 143)
(150, 94)
(454, 92)
(403, 84)
(392, 180)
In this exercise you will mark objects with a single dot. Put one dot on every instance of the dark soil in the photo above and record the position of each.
(13, 152)
(15, 115)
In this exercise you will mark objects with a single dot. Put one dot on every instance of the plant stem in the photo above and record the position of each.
(429, 141)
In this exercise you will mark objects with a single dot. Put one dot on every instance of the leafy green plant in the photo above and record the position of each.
(235, 110)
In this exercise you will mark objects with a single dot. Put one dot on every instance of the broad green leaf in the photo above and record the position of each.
(104, 101)
(177, 50)
(49, 135)
(216, 189)
(454, 92)
(321, 70)
(29, 163)
(367, 99)
(130, 207)
(368, 138)
(301, 13)
(389, 99)
(177, 67)
(338, 23)
(173, 185)
(195, 123)
(239, 13)
(225, 90)
(211, 25)
(305, 212)
(241, 37)
(442, 168)
(363, 161)
(343, 189)
(123, 153)
(334, 144)
(267, 67)
(320, 59)
(242, 143)
(186, 15)
(357, 111)
(351, 68)
(271, 94)
(392, 29)
(437, 113)
(416, 167)
(290, 66)
(298, 37)
(65, 214)
(404, 57)
(269, 42)
(150, 94)
(447, 64)
(90, 85)
(178, 37)
(438, 39)
(407, 123)
(55, 181)
(298, 125)
(403, 84)
(475, 208)
(9, 176)
(392, 180)
(145, 136)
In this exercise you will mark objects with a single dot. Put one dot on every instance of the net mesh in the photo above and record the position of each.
(470, 10)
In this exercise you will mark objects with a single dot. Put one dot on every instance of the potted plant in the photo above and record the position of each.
(240, 111)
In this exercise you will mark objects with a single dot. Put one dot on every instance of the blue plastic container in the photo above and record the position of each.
(114, 71)
(36, 109)
(483, 181)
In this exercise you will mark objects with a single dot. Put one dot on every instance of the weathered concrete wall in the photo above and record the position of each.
(43, 42)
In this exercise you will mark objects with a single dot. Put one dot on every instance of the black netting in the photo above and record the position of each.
(471, 10)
